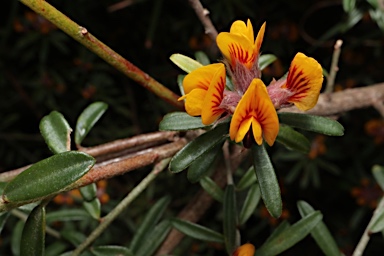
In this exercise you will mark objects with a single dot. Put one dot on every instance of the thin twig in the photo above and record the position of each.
(366, 235)
(203, 15)
(112, 215)
(334, 67)
(83, 36)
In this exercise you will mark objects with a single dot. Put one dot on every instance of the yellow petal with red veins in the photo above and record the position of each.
(211, 110)
(236, 47)
(239, 27)
(194, 101)
(305, 79)
(245, 250)
(259, 39)
(200, 78)
(255, 108)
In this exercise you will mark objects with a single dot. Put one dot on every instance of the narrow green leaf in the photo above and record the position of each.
(180, 121)
(203, 164)
(73, 236)
(250, 204)
(293, 140)
(265, 60)
(212, 188)
(276, 232)
(33, 236)
(266, 177)
(312, 123)
(230, 219)
(149, 222)
(87, 120)
(180, 79)
(110, 250)
(56, 132)
(93, 208)
(67, 215)
(290, 236)
(184, 62)
(378, 173)
(3, 218)
(320, 232)
(202, 58)
(55, 248)
(197, 231)
(156, 237)
(16, 237)
(89, 192)
(48, 176)
(248, 179)
(349, 5)
(198, 147)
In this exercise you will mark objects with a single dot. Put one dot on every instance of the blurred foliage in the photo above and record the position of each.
(42, 69)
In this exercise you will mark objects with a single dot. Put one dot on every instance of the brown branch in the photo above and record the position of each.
(346, 100)
(203, 15)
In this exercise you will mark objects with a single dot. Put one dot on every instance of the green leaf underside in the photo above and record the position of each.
(197, 231)
(290, 236)
(266, 177)
(312, 123)
(248, 179)
(212, 188)
(203, 164)
(33, 236)
(378, 174)
(292, 139)
(149, 222)
(265, 60)
(93, 208)
(56, 132)
(180, 121)
(87, 120)
(230, 219)
(250, 203)
(320, 232)
(198, 147)
(89, 192)
(111, 250)
(184, 62)
(67, 215)
(48, 176)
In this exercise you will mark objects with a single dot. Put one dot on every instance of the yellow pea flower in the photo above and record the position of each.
(204, 89)
(255, 115)
(245, 250)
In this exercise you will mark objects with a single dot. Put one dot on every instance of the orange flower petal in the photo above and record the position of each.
(304, 79)
(194, 101)
(211, 110)
(245, 250)
(200, 78)
(256, 108)
(239, 27)
(236, 47)
(259, 39)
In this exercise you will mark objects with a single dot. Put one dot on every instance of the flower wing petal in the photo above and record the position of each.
(194, 101)
(259, 39)
(256, 108)
(304, 79)
(200, 78)
(211, 106)
(236, 47)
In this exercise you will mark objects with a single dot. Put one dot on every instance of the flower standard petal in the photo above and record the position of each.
(200, 78)
(239, 27)
(236, 48)
(304, 80)
(211, 106)
(256, 108)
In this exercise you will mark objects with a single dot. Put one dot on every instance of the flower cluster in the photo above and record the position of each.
(252, 104)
